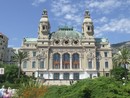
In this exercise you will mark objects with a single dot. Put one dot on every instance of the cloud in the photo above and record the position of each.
(101, 20)
(37, 2)
(115, 25)
(61, 7)
(71, 13)
(68, 11)
(104, 6)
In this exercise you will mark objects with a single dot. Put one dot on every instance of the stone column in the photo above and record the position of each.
(70, 61)
(80, 62)
(60, 62)
(51, 62)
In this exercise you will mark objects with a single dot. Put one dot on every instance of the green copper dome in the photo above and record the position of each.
(66, 32)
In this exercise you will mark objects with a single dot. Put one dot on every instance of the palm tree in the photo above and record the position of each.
(122, 58)
(19, 57)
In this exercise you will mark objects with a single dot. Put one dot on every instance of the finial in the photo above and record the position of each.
(44, 12)
(87, 14)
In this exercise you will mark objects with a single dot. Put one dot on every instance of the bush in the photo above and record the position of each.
(31, 89)
(91, 88)
(7, 84)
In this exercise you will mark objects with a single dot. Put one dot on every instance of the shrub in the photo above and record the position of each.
(31, 89)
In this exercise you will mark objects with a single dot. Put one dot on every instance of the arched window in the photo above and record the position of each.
(66, 61)
(56, 61)
(25, 64)
(33, 64)
(75, 61)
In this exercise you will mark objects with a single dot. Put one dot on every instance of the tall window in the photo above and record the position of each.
(42, 64)
(106, 64)
(89, 64)
(106, 54)
(76, 76)
(97, 65)
(33, 64)
(66, 76)
(25, 64)
(56, 61)
(34, 54)
(66, 61)
(56, 76)
(75, 61)
(97, 54)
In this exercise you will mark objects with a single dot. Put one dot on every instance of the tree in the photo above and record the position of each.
(19, 57)
(118, 72)
(10, 73)
(122, 58)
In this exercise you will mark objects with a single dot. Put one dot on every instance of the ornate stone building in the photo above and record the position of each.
(66, 54)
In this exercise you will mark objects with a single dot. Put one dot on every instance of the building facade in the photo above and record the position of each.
(6, 53)
(3, 48)
(66, 54)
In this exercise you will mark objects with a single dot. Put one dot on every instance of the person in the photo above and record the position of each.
(9, 91)
(2, 91)
(6, 94)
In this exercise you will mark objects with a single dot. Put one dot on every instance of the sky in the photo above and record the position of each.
(20, 18)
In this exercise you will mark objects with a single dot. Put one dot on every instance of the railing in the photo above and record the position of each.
(75, 62)
(66, 63)
(56, 63)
